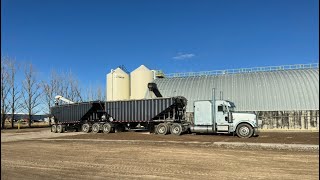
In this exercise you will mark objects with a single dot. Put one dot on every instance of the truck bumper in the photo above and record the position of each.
(256, 131)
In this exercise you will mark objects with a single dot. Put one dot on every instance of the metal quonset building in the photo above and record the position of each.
(285, 97)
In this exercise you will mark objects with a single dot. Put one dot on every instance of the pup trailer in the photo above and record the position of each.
(159, 115)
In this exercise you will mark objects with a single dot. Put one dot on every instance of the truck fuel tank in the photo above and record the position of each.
(201, 129)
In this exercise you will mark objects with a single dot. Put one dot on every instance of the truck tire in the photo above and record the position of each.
(95, 128)
(244, 130)
(54, 128)
(176, 129)
(59, 128)
(162, 129)
(85, 128)
(107, 128)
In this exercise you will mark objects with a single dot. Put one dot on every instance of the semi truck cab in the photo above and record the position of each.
(219, 116)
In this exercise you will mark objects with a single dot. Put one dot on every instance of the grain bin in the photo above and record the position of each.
(140, 78)
(118, 85)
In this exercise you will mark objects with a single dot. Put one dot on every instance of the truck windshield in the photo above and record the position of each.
(231, 107)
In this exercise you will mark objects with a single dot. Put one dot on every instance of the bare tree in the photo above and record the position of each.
(50, 90)
(31, 94)
(89, 94)
(68, 86)
(4, 91)
(64, 85)
(100, 94)
(59, 85)
(15, 95)
(93, 93)
(75, 91)
(71, 88)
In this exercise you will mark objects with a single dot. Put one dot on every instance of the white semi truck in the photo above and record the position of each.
(219, 116)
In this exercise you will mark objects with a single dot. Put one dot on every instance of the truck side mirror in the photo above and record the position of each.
(230, 118)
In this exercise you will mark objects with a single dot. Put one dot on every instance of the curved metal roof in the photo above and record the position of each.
(283, 90)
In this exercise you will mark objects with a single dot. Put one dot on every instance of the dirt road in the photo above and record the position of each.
(265, 137)
(44, 158)
(28, 134)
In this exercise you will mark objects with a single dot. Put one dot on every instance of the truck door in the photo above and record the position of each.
(222, 118)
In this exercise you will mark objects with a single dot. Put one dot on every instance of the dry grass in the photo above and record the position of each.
(25, 125)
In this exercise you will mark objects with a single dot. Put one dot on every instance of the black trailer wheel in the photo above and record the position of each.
(85, 128)
(107, 128)
(244, 130)
(59, 128)
(176, 129)
(95, 128)
(162, 129)
(54, 128)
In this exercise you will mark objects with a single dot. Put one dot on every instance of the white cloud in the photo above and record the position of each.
(180, 56)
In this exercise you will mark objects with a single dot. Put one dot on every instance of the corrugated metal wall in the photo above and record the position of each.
(286, 90)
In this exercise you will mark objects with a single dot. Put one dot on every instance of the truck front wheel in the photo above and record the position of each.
(176, 129)
(244, 130)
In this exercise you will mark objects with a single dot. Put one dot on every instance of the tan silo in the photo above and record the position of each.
(118, 83)
(140, 78)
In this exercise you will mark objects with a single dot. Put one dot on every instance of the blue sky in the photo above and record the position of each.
(91, 37)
